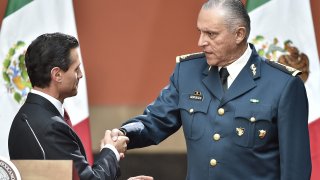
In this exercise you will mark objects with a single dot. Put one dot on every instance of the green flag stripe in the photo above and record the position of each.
(253, 4)
(14, 5)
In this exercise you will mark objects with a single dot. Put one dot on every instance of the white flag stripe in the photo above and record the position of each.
(297, 27)
(36, 18)
(34, 25)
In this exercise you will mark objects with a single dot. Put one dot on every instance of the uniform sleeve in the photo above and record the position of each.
(293, 132)
(159, 120)
(63, 143)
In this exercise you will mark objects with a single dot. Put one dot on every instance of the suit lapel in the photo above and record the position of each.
(245, 81)
(37, 99)
(43, 102)
(212, 82)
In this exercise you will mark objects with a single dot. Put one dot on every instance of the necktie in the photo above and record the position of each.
(224, 77)
(67, 118)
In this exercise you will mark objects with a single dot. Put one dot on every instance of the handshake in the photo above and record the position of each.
(117, 139)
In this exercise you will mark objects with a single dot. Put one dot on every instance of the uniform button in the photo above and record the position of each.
(221, 111)
(191, 110)
(216, 137)
(252, 119)
(213, 162)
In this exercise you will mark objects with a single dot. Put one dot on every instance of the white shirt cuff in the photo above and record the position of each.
(114, 150)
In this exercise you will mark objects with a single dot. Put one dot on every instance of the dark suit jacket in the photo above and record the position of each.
(257, 130)
(58, 140)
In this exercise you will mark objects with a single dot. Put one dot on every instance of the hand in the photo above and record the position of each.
(115, 133)
(120, 144)
(141, 178)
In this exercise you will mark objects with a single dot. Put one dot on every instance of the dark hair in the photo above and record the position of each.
(46, 52)
(236, 13)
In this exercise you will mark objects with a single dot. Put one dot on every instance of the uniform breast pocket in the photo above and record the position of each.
(252, 125)
(193, 115)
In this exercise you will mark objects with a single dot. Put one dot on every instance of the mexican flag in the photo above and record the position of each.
(283, 31)
(24, 21)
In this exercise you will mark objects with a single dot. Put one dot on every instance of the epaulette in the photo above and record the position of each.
(284, 68)
(189, 57)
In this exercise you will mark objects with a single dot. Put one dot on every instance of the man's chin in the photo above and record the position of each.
(74, 93)
(212, 62)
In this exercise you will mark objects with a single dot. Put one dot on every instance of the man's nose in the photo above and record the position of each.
(202, 41)
(80, 75)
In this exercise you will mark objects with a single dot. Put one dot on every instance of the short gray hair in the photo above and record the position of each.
(237, 14)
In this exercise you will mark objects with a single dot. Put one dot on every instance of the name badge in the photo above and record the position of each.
(196, 96)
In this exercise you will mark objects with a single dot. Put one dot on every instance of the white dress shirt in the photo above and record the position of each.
(235, 68)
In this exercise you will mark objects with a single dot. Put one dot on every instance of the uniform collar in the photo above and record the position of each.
(235, 68)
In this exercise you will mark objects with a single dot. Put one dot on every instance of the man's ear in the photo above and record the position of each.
(56, 74)
(240, 34)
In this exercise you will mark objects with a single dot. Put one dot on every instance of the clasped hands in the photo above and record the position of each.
(120, 141)
(117, 139)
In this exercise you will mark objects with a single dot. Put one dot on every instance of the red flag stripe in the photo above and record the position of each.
(314, 131)
(83, 131)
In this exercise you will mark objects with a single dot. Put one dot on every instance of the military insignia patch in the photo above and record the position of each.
(197, 95)
(253, 69)
(240, 131)
(189, 57)
(262, 133)
(284, 68)
(254, 100)
(15, 73)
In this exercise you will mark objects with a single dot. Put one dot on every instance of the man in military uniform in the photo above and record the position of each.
(243, 116)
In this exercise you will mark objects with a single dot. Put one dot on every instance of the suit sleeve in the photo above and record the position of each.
(293, 132)
(63, 143)
(159, 120)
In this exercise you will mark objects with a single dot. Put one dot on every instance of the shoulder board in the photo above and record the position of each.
(284, 68)
(189, 57)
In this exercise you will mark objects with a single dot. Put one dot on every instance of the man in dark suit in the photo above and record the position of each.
(243, 116)
(39, 130)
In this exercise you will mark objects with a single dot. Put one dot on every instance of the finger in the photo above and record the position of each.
(121, 155)
(115, 134)
(134, 178)
(142, 177)
(124, 139)
(145, 177)
(127, 139)
(107, 133)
